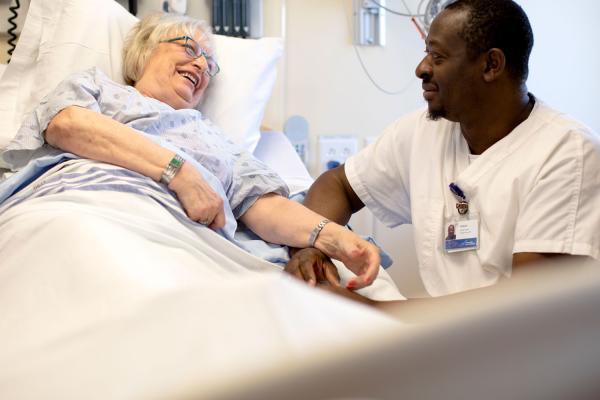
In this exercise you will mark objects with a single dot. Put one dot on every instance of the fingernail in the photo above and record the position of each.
(351, 285)
(312, 282)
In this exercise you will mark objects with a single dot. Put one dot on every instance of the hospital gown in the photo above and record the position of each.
(232, 172)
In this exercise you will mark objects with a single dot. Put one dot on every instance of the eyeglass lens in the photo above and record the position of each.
(193, 49)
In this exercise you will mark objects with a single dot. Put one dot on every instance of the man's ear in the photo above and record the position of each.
(495, 64)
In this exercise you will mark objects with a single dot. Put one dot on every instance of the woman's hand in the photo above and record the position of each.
(359, 256)
(312, 266)
(199, 200)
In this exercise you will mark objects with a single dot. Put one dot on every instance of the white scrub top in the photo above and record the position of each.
(536, 190)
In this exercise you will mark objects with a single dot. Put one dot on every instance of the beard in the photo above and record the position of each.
(435, 114)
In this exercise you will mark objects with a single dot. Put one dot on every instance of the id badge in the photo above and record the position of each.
(462, 234)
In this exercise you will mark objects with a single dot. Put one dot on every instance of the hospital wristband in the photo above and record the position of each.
(171, 170)
(315, 232)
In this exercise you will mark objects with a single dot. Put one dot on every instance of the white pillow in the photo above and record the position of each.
(63, 36)
(237, 96)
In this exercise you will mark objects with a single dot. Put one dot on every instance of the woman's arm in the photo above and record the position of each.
(89, 134)
(331, 196)
(279, 220)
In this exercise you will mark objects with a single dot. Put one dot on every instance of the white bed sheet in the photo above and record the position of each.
(108, 296)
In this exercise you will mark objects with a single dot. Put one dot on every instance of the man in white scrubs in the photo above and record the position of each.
(513, 180)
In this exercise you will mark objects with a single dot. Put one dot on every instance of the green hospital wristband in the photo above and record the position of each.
(171, 170)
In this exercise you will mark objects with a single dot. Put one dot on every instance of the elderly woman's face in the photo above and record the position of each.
(174, 77)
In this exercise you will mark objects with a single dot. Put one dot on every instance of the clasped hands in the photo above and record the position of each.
(314, 265)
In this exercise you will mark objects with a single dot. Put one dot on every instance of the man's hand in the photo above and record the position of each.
(358, 255)
(313, 266)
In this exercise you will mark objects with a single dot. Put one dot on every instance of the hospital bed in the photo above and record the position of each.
(215, 322)
(86, 280)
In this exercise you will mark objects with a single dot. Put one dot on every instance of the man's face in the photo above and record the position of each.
(173, 77)
(449, 76)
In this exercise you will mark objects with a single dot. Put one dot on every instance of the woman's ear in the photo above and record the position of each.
(495, 64)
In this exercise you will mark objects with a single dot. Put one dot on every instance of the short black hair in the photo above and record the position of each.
(498, 24)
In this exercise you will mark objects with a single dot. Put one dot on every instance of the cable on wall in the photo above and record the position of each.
(426, 12)
(370, 77)
(402, 14)
(366, 70)
(12, 41)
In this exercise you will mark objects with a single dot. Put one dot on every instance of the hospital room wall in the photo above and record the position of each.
(325, 84)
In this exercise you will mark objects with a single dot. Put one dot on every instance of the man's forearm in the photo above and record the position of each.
(332, 196)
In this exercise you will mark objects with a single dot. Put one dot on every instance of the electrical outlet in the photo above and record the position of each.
(334, 150)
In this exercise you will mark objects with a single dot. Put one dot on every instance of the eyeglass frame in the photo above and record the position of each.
(189, 50)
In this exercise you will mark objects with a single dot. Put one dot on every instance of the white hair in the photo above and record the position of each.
(149, 32)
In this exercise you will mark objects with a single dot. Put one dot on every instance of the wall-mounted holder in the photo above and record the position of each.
(240, 18)
(369, 23)
(296, 130)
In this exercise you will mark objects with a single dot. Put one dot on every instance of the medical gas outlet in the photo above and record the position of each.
(334, 150)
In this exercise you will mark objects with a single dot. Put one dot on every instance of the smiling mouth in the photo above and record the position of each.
(429, 94)
(190, 77)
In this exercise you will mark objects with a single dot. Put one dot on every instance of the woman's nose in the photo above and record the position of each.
(201, 64)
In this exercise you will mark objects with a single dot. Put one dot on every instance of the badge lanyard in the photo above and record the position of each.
(463, 205)
(461, 233)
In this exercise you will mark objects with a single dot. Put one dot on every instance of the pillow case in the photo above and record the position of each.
(64, 36)
(237, 96)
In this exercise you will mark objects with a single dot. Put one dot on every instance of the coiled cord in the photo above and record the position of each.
(12, 41)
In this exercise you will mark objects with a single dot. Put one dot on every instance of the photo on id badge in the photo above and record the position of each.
(461, 233)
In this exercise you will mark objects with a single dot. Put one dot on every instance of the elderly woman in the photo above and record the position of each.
(165, 149)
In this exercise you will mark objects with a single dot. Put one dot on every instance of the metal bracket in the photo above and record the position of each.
(369, 23)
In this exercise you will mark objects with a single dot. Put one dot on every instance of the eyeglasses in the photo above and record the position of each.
(193, 49)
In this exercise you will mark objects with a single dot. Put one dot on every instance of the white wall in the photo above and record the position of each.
(325, 83)
(565, 61)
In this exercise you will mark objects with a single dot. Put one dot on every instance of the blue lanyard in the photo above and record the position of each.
(463, 205)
